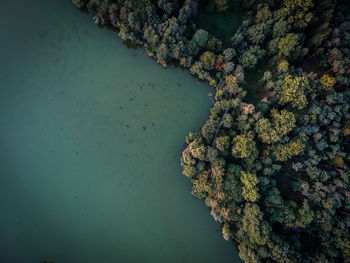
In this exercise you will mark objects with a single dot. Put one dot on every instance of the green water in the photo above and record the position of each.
(91, 134)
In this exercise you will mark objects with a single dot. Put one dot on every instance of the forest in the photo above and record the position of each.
(272, 161)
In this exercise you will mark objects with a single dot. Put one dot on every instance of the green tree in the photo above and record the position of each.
(257, 229)
(201, 37)
(208, 130)
(280, 28)
(251, 56)
(305, 216)
(222, 142)
(263, 15)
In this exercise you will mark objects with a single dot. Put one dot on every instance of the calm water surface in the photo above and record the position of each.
(91, 134)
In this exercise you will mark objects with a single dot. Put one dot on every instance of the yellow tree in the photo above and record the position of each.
(243, 146)
(283, 66)
(208, 60)
(327, 82)
(249, 190)
(293, 91)
(282, 123)
(287, 44)
(287, 151)
(298, 12)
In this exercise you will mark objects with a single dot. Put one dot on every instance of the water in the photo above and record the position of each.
(91, 134)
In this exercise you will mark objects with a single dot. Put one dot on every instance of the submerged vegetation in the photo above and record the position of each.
(273, 169)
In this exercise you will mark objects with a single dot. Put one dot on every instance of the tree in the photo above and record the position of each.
(239, 73)
(305, 216)
(214, 44)
(208, 130)
(265, 132)
(251, 56)
(280, 28)
(226, 231)
(202, 186)
(221, 5)
(222, 142)
(263, 15)
(282, 123)
(287, 151)
(208, 60)
(230, 80)
(272, 46)
(327, 82)
(257, 33)
(297, 13)
(249, 190)
(80, 3)
(287, 44)
(293, 91)
(197, 149)
(201, 37)
(243, 146)
(283, 66)
(257, 229)
(229, 54)
(187, 157)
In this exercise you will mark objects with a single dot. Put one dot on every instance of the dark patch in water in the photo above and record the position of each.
(43, 33)
(75, 29)
(152, 85)
(53, 45)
